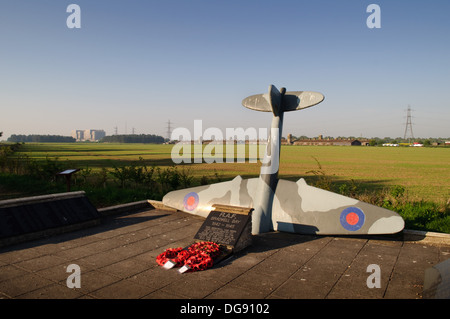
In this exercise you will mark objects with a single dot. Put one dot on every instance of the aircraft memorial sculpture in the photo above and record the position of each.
(283, 205)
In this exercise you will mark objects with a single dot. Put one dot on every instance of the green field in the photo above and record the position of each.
(423, 172)
(411, 181)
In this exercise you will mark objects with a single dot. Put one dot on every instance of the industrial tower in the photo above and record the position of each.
(408, 128)
(169, 131)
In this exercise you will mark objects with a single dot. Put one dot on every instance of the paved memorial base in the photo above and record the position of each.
(117, 260)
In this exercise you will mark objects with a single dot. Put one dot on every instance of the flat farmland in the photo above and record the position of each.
(423, 172)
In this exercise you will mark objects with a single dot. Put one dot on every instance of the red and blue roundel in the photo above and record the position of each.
(190, 201)
(352, 218)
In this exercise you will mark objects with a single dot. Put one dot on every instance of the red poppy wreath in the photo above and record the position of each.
(198, 256)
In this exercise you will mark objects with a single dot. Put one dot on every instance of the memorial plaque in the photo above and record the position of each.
(223, 228)
(35, 217)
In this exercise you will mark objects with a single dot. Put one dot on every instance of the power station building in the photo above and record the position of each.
(88, 135)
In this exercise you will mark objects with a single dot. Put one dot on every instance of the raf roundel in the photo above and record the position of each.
(190, 201)
(352, 218)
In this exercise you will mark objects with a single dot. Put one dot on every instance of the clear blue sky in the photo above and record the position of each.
(138, 64)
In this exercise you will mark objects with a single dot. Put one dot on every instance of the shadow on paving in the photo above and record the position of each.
(107, 223)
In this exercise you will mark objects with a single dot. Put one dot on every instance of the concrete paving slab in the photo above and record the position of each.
(117, 261)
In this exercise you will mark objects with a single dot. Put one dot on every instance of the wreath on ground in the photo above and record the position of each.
(198, 256)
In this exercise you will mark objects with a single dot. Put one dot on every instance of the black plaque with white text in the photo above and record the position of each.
(223, 228)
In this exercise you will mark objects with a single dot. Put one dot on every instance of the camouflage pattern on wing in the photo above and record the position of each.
(300, 208)
(199, 200)
(297, 207)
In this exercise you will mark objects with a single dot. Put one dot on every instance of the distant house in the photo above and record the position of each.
(331, 141)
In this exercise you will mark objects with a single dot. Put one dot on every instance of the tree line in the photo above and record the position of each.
(133, 138)
(35, 138)
(129, 138)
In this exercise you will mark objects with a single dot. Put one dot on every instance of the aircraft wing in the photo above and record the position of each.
(199, 200)
(296, 208)
(300, 208)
